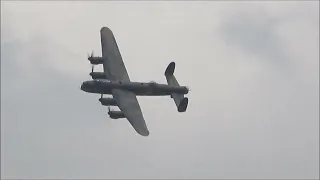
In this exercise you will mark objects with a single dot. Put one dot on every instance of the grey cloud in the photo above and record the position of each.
(41, 116)
(254, 32)
(239, 124)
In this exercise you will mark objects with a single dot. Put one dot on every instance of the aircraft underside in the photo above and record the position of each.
(140, 89)
(115, 81)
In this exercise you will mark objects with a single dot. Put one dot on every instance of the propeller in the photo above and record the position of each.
(109, 113)
(90, 56)
(92, 65)
(101, 98)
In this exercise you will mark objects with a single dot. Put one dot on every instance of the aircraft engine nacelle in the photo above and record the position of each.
(116, 114)
(96, 60)
(108, 101)
(98, 75)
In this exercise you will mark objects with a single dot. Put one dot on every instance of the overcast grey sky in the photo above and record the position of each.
(252, 67)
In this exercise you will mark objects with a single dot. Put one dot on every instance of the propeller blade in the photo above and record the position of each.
(101, 95)
(92, 54)
(92, 68)
(108, 108)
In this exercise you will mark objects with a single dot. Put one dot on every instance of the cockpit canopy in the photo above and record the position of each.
(153, 82)
(101, 80)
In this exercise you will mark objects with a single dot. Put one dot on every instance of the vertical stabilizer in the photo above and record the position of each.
(179, 99)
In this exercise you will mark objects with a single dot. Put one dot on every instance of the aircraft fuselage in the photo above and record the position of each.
(139, 88)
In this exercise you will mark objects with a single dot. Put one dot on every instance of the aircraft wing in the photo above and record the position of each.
(115, 70)
(113, 65)
(129, 105)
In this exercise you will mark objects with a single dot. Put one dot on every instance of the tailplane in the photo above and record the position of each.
(179, 99)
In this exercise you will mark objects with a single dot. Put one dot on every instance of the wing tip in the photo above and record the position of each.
(144, 133)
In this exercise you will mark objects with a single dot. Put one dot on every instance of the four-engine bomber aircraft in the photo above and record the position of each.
(115, 81)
